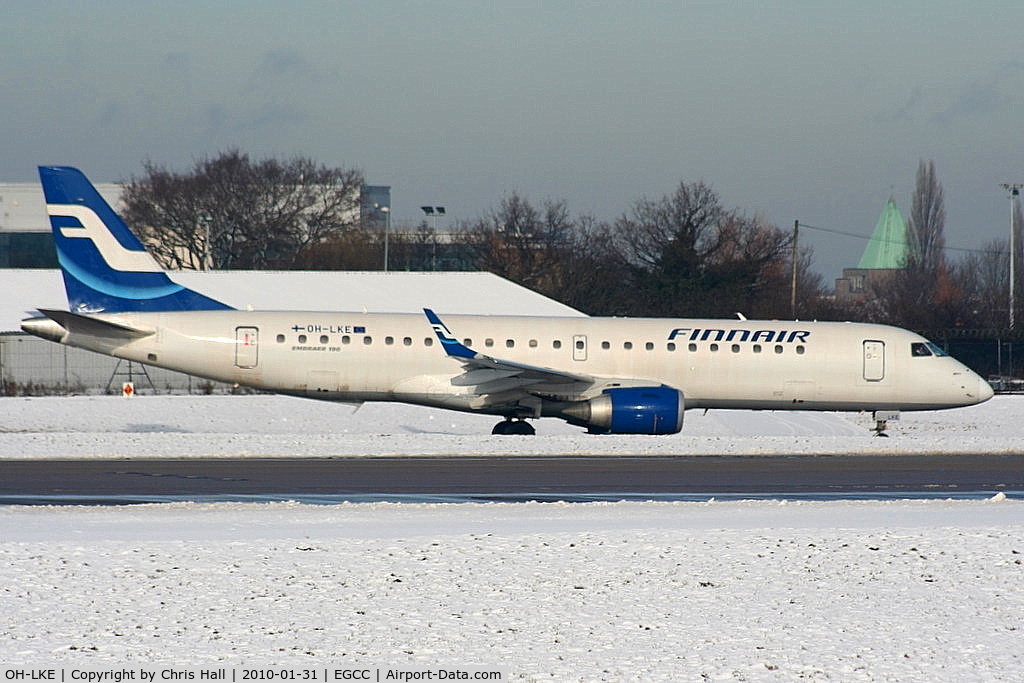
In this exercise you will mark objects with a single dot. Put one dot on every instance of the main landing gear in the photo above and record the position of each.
(514, 426)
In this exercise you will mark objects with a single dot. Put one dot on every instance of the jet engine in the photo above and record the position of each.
(628, 410)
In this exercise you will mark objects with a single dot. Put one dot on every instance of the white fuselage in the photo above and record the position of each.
(396, 357)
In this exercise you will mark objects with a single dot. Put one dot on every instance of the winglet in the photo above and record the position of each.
(452, 346)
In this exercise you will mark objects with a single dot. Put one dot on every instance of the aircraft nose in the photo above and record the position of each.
(985, 391)
(971, 386)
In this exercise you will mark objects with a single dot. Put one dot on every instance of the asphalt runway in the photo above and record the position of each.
(491, 477)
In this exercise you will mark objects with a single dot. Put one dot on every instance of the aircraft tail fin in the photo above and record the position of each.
(106, 268)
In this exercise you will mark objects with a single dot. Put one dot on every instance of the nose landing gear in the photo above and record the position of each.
(881, 417)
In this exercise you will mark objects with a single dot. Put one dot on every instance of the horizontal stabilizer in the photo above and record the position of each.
(76, 323)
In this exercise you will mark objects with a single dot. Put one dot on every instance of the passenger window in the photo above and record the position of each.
(467, 342)
(429, 341)
(692, 348)
(714, 347)
(533, 343)
(367, 340)
(488, 343)
(556, 344)
(510, 344)
(302, 339)
(735, 348)
(628, 345)
(800, 350)
(280, 339)
(407, 341)
(778, 348)
(346, 340)
(606, 345)
(757, 348)
(671, 346)
(324, 339)
(389, 340)
(579, 344)
(649, 346)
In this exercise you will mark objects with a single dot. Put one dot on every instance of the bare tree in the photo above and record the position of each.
(524, 243)
(925, 294)
(232, 212)
(926, 227)
(674, 233)
(686, 255)
(357, 248)
(983, 276)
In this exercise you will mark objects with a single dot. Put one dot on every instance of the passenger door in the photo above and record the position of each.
(874, 360)
(247, 347)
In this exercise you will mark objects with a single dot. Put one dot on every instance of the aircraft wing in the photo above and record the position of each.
(482, 369)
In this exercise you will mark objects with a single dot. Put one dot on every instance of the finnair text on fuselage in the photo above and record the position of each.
(740, 335)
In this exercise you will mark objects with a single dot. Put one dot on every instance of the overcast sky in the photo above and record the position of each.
(811, 110)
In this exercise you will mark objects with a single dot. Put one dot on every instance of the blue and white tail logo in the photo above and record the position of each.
(106, 268)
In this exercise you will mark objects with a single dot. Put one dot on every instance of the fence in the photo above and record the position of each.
(997, 358)
(32, 366)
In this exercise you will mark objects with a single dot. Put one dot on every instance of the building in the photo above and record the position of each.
(375, 206)
(25, 237)
(887, 252)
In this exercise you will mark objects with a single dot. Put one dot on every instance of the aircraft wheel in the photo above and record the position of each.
(514, 427)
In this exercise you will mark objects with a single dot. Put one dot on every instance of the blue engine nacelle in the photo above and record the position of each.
(630, 410)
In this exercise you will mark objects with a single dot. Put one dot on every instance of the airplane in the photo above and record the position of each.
(607, 375)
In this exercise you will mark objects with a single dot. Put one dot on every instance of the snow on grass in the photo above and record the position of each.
(924, 590)
(155, 426)
(852, 591)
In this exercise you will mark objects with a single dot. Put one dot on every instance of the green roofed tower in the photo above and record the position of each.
(888, 248)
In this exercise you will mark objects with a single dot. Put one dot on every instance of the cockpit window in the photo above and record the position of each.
(922, 349)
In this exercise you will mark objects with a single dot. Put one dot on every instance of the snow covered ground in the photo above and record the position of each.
(100, 426)
(769, 590)
(925, 590)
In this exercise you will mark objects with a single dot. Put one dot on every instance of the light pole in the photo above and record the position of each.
(386, 210)
(206, 260)
(1014, 190)
(433, 212)
(796, 255)
(387, 233)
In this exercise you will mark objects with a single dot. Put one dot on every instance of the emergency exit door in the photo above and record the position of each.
(579, 347)
(874, 360)
(247, 350)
